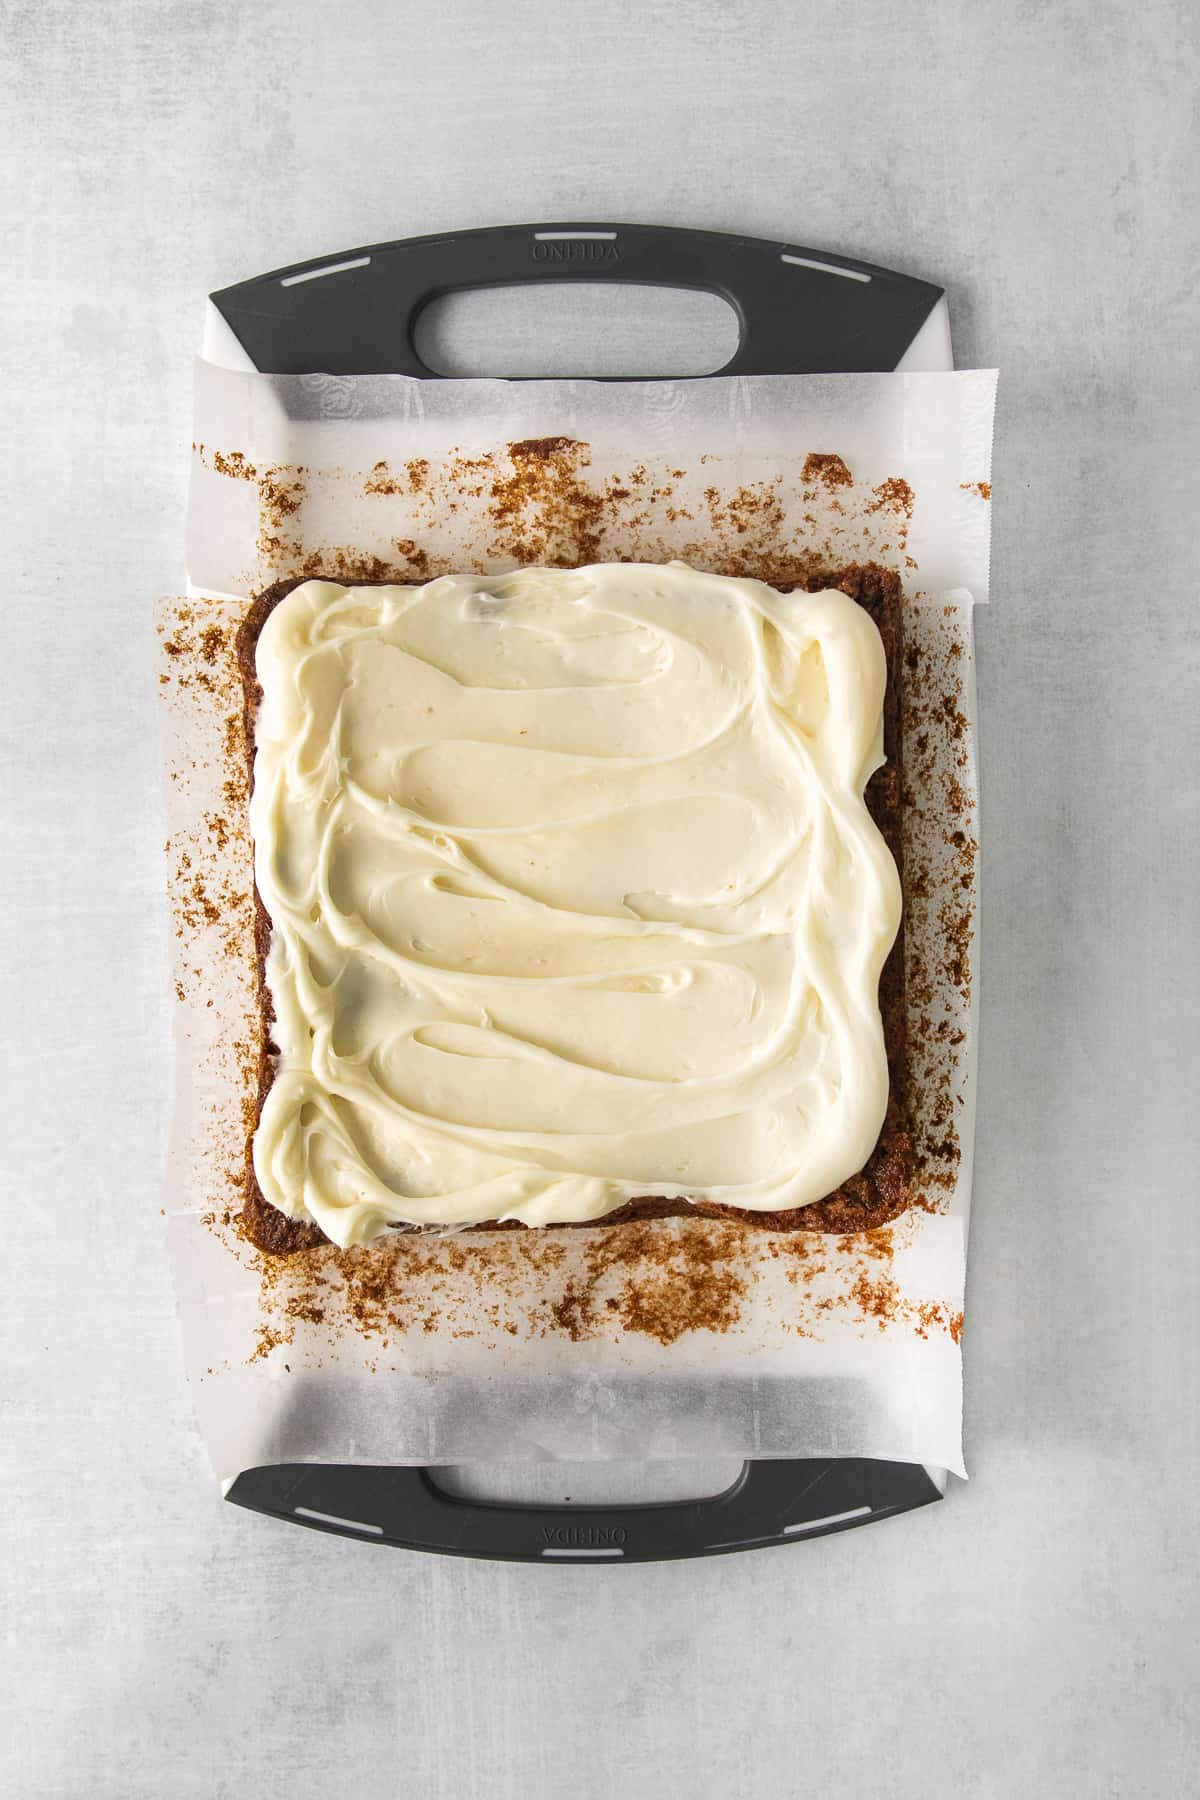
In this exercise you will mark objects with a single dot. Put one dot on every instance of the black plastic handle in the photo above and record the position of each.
(771, 1502)
(800, 311)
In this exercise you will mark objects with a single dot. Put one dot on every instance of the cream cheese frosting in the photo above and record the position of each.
(574, 896)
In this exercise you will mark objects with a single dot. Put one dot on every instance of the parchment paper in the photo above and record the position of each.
(685, 1336)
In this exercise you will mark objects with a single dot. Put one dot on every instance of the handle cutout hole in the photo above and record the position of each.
(587, 329)
(590, 1484)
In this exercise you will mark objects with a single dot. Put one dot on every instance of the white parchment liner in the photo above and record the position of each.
(576, 1343)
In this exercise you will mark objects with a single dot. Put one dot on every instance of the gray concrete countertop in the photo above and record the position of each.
(1037, 1634)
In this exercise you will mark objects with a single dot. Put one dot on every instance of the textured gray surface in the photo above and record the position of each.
(1037, 1633)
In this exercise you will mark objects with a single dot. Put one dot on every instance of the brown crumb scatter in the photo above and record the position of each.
(235, 464)
(211, 643)
(299, 1308)
(894, 495)
(416, 559)
(546, 510)
(658, 1279)
(877, 1245)
(879, 1299)
(382, 481)
(269, 1337)
(339, 563)
(825, 470)
(280, 495)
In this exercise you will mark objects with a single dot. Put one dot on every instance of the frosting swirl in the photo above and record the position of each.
(574, 896)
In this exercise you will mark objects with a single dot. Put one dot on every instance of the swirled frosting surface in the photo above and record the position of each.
(574, 896)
